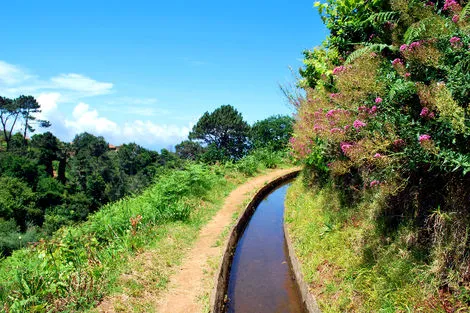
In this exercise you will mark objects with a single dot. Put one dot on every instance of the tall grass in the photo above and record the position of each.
(351, 265)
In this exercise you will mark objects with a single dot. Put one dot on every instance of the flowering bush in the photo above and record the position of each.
(389, 105)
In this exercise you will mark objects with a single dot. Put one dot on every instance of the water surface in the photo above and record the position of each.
(261, 280)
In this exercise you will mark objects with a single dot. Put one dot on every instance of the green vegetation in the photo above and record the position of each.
(383, 132)
(72, 214)
(79, 264)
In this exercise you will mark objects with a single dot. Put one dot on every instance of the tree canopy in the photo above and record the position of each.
(224, 129)
(272, 133)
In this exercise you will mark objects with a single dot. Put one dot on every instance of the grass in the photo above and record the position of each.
(349, 264)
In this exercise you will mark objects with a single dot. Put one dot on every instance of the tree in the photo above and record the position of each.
(46, 148)
(22, 107)
(272, 133)
(225, 129)
(189, 150)
(28, 107)
(9, 113)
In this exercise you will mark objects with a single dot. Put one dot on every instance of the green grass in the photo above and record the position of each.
(349, 264)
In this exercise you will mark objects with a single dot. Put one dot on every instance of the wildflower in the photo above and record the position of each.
(336, 130)
(330, 113)
(403, 47)
(373, 110)
(362, 108)
(359, 124)
(378, 100)
(397, 61)
(338, 70)
(450, 5)
(317, 127)
(374, 183)
(424, 112)
(345, 147)
(414, 44)
(455, 42)
(431, 115)
(377, 156)
(429, 4)
(407, 74)
(424, 138)
(346, 127)
(455, 18)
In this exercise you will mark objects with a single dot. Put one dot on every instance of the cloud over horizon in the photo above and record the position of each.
(58, 94)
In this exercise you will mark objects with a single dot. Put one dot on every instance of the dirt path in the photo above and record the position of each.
(186, 285)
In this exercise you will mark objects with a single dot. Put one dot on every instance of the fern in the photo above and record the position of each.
(382, 17)
(431, 27)
(465, 12)
(369, 48)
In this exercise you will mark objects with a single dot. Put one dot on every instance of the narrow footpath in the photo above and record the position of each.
(187, 283)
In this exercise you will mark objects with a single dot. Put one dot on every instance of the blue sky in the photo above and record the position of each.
(145, 71)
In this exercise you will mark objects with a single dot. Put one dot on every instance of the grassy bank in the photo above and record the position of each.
(352, 264)
(81, 264)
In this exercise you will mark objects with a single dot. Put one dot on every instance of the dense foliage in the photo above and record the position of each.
(387, 110)
(47, 183)
(224, 132)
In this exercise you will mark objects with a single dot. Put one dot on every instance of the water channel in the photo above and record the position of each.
(261, 280)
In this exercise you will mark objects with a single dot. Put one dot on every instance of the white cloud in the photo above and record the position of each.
(48, 102)
(12, 74)
(15, 81)
(147, 133)
(56, 94)
(80, 83)
(89, 120)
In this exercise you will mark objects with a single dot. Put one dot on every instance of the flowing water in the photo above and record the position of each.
(261, 280)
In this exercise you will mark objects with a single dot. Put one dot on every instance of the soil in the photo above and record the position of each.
(187, 284)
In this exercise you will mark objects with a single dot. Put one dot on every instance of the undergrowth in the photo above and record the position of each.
(353, 265)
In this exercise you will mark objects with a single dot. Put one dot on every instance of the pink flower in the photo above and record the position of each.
(415, 44)
(374, 183)
(424, 138)
(345, 147)
(424, 112)
(397, 61)
(407, 74)
(403, 47)
(378, 100)
(359, 124)
(429, 4)
(455, 18)
(450, 4)
(362, 108)
(373, 110)
(431, 115)
(336, 130)
(377, 155)
(317, 127)
(346, 127)
(455, 42)
(338, 69)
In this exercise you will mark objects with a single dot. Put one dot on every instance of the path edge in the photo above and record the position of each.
(218, 298)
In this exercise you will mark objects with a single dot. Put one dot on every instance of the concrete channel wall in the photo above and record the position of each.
(219, 294)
